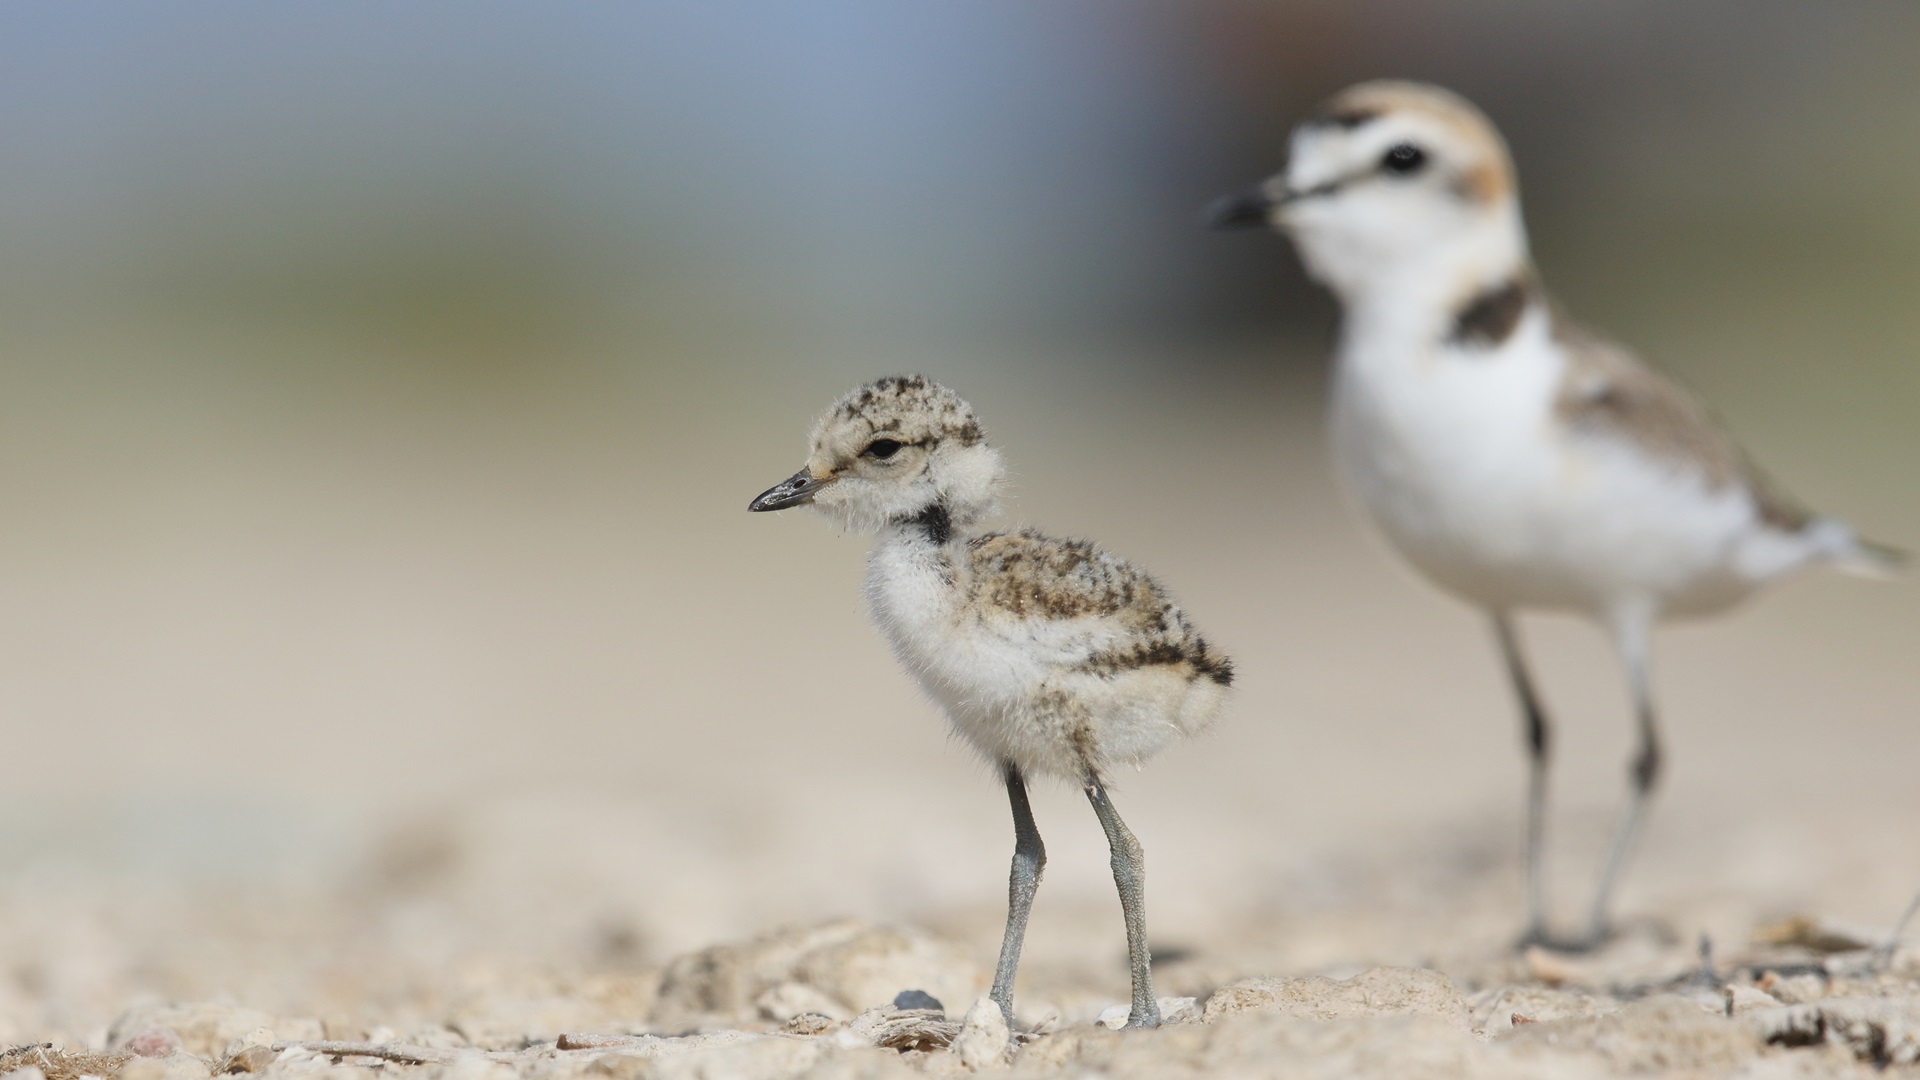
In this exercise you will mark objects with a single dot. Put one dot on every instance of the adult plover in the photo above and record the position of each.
(1517, 460)
(1048, 656)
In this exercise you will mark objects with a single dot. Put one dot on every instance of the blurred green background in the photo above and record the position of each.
(383, 386)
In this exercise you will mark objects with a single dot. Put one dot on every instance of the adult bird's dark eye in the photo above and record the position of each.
(882, 449)
(1404, 159)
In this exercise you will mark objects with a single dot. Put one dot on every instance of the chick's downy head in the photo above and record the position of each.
(890, 451)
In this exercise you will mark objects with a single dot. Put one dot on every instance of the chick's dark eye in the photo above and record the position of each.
(1404, 159)
(881, 448)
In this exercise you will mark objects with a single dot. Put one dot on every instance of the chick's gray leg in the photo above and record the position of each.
(1129, 876)
(1029, 859)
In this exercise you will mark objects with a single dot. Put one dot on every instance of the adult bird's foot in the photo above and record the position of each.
(1598, 936)
(1137, 1021)
(1540, 938)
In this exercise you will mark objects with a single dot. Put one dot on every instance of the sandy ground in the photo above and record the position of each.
(522, 939)
(387, 659)
(578, 769)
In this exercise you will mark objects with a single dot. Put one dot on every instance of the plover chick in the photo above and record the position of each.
(1048, 656)
(1517, 460)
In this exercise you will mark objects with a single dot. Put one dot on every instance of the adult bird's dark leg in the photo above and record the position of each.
(1632, 630)
(1029, 859)
(1883, 956)
(1130, 877)
(1534, 717)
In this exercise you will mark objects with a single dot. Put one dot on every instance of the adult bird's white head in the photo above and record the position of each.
(1391, 186)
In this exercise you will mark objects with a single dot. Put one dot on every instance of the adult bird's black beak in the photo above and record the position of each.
(796, 490)
(1250, 209)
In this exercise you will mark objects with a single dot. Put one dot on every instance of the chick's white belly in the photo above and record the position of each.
(1019, 690)
(1012, 693)
(1508, 514)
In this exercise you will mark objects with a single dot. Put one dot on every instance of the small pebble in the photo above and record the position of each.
(154, 1043)
(1742, 999)
(918, 999)
(811, 1023)
(983, 1041)
(253, 1059)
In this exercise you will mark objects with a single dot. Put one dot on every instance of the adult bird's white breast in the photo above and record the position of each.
(1465, 460)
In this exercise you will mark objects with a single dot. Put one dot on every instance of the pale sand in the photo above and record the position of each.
(465, 765)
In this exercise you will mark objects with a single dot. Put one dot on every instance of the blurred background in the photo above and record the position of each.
(382, 387)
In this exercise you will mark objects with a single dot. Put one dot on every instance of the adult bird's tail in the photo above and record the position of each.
(1851, 554)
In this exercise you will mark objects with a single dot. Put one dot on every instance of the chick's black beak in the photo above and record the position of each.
(1249, 209)
(796, 490)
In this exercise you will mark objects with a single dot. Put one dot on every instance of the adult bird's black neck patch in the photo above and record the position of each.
(935, 522)
(1489, 317)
